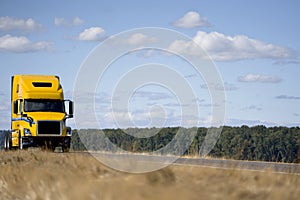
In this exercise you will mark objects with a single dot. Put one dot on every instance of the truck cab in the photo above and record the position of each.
(39, 113)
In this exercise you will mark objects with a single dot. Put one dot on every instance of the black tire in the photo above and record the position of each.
(66, 149)
(67, 145)
(7, 141)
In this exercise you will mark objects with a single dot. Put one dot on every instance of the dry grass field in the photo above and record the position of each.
(44, 175)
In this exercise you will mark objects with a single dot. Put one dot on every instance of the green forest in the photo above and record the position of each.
(258, 143)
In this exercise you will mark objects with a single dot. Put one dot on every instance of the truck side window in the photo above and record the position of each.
(16, 107)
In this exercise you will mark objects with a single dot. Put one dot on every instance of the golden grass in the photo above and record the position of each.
(44, 175)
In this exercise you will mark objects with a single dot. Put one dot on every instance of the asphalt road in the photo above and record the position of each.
(245, 165)
(141, 162)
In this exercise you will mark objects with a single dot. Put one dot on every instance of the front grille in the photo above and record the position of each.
(49, 128)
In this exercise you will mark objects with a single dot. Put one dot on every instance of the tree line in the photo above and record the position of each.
(257, 143)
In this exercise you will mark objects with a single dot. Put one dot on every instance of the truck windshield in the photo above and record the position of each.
(43, 105)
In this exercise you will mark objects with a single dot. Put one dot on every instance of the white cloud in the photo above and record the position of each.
(220, 47)
(209, 121)
(259, 78)
(192, 20)
(140, 39)
(152, 96)
(59, 21)
(283, 96)
(253, 107)
(248, 122)
(287, 62)
(92, 34)
(22, 44)
(76, 21)
(155, 116)
(9, 24)
(225, 87)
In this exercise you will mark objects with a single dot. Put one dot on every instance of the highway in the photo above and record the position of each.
(290, 168)
(142, 163)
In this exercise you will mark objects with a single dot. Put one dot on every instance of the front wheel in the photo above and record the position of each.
(67, 144)
(66, 149)
(21, 143)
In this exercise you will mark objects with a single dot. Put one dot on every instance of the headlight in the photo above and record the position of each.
(27, 132)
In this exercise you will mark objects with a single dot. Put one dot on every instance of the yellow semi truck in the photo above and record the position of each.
(38, 113)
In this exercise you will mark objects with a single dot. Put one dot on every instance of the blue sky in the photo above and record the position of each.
(253, 44)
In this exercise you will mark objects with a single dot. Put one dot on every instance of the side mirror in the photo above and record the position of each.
(16, 107)
(71, 109)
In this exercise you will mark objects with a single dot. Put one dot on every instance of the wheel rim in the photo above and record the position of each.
(21, 143)
(6, 143)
